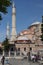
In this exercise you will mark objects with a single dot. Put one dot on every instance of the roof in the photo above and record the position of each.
(22, 38)
(35, 23)
(24, 32)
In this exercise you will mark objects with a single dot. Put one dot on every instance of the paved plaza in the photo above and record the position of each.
(13, 61)
(22, 62)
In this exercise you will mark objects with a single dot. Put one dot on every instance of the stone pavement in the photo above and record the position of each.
(20, 62)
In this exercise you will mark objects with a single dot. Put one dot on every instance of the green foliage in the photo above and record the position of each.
(0, 17)
(6, 44)
(3, 6)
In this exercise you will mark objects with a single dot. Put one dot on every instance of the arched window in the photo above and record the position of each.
(18, 49)
(12, 49)
(25, 49)
(30, 48)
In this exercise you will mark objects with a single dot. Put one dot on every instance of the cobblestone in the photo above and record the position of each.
(13, 61)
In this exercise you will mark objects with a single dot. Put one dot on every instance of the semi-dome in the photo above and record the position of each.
(22, 38)
(35, 23)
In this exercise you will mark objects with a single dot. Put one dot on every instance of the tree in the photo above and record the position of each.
(6, 44)
(42, 30)
(3, 7)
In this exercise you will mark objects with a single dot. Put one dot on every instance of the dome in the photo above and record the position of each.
(22, 38)
(24, 32)
(35, 23)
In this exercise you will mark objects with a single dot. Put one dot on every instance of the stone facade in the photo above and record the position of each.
(29, 39)
(33, 33)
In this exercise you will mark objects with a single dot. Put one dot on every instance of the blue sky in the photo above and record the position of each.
(27, 12)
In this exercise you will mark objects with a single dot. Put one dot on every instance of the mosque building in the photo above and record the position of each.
(27, 40)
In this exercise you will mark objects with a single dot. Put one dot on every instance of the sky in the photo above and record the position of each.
(27, 12)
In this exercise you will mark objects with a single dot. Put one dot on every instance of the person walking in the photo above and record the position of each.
(2, 60)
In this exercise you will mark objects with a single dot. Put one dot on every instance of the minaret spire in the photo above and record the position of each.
(8, 31)
(13, 5)
(13, 32)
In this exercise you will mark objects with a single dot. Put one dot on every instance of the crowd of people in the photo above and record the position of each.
(35, 58)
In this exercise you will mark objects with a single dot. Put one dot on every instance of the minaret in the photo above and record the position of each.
(13, 32)
(8, 31)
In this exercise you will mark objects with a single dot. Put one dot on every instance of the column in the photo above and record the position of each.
(15, 53)
(20, 54)
(3, 52)
(9, 53)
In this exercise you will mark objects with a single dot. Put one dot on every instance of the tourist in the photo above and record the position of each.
(2, 60)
